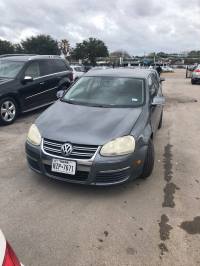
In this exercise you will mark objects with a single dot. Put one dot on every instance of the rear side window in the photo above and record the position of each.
(33, 70)
(53, 66)
(59, 65)
(46, 67)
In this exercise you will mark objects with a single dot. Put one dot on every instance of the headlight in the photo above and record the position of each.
(34, 136)
(119, 146)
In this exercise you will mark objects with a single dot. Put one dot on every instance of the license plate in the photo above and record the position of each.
(63, 166)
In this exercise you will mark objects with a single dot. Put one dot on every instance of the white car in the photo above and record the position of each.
(78, 71)
(167, 69)
(196, 75)
(7, 255)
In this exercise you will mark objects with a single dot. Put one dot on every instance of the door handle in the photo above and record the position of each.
(42, 83)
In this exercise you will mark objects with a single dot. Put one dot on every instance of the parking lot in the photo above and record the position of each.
(146, 222)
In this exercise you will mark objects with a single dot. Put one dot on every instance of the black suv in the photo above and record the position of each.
(28, 82)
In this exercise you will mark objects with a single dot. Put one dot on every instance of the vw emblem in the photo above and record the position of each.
(66, 149)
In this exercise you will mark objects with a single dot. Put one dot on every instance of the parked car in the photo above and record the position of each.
(87, 68)
(167, 69)
(100, 68)
(78, 71)
(7, 255)
(101, 131)
(30, 82)
(196, 75)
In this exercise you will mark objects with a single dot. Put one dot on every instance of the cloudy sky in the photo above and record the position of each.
(138, 26)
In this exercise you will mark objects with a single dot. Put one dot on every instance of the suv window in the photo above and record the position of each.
(52, 66)
(59, 65)
(46, 67)
(33, 70)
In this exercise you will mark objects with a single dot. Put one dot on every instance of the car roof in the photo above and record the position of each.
(121, 72)
(29, 57)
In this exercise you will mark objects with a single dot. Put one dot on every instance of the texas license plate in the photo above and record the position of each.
(63, 166)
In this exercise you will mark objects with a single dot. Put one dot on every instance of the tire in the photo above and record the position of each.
(8, 111)
(160, 122)
(149, 161)
(193, 82)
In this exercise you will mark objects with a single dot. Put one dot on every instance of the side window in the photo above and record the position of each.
(58, 65)
(46, 67)
(153, 86)
(33, 70)
(51, 66)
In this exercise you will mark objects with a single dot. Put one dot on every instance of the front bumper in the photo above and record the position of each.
(97, 171)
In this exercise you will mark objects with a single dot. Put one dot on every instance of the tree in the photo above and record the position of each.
(41, 44)
(18, 48)
(64, 47)
(162, 55)
(6, 47)
(120, 53)
(194, 54)
(151, 55)
(90, 49)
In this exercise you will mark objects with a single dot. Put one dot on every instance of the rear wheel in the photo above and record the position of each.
(193, 82)
(149, 161)
(8, 111)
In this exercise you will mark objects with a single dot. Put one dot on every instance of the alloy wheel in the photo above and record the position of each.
(8, 111)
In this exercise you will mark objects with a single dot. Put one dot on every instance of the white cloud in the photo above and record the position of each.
(137, 26)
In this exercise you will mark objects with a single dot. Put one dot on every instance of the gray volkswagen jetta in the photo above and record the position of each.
(101, 130)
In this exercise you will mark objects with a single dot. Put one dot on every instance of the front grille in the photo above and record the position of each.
(80, 151)
(112, 177)
(79, 176)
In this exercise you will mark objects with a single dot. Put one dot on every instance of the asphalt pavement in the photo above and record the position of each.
(146, 222)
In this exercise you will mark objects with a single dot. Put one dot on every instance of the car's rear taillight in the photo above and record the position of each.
(197, 70)
(10, 258)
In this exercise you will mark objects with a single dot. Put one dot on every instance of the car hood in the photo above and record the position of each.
(86, 125)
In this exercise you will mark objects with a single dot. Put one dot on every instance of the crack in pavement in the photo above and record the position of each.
(165, 228)
(168, 174)
(169, 192)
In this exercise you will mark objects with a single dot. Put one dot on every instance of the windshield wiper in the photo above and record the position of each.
(68, 101)
(86, 104)
(99, 105)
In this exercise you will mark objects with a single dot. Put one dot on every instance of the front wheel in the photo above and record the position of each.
(149, 161)
(8, 111)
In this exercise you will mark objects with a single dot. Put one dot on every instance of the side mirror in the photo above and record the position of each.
(158, 100)
(60, 94)
(27, 79)
(162, 79)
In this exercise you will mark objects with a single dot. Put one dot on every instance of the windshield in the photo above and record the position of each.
(10, 69)
(107, 92)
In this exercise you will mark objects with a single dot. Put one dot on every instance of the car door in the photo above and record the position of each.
(50, 80)
(53, 72)
(155, 110)
(30, 90)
